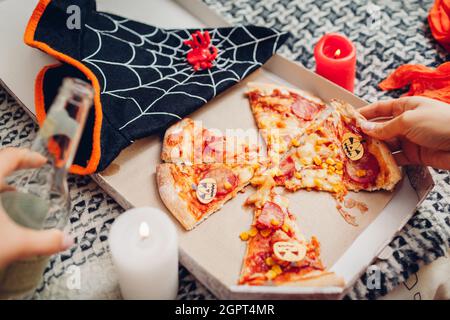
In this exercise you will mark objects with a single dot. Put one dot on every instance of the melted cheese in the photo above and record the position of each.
(321, 179)
(283, 202)
(245, 174)
(263, 194)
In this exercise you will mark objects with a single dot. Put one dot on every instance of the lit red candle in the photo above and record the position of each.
(335, 58)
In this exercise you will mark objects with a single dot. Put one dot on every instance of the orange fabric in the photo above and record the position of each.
(39, 99)
(422, 81)
(439, 20)
(55, 150)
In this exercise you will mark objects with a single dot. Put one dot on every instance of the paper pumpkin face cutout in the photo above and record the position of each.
(206, 190)
(290, 251)
(352, 146)
(142, 78)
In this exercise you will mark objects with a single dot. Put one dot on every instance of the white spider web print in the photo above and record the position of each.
(147, 66)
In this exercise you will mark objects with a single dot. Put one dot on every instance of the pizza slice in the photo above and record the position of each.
(282, 114)
(278, 254)
(193, 192)
(368, 163)
(189, 142)
(334, 155)
(318, 161)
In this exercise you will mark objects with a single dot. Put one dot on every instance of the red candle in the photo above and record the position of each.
(335, 58)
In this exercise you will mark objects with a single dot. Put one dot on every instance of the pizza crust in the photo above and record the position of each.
(169, 195)
(268, 88)
(180, 208)
(317, 279)
(171, 153)
(392, 173)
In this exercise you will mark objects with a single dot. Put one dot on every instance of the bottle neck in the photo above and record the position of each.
(58, 138)
(61, 131)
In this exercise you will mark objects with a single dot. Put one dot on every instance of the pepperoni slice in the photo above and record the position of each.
(257, 263)
(364, 170)
(287, 167)
(354, 128)
(225, 178)
(304, 109)
(271, 213)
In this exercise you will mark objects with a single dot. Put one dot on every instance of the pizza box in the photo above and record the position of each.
(213, 251)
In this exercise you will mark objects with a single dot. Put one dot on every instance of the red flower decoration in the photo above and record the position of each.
(202, 52)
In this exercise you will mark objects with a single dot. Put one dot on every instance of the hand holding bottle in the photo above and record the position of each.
(17, 242)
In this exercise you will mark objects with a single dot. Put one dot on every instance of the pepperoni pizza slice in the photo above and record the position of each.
(188, 142)
(278, 254)
(193, 192)
(282, 114)
(335, 156)
(368, 164)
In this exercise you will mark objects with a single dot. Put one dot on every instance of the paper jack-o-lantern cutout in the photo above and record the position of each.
(352, 146)
(206, 190)
(290, 251)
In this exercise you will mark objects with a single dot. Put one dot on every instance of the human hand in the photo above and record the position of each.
(417, 129)
(17, 242)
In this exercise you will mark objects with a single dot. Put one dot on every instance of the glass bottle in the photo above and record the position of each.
(41, 197)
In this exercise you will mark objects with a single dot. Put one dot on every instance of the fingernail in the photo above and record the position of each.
(367, 125)
(67, 241)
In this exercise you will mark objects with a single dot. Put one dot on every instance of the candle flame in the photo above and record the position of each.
(337, 53)
(144, 230)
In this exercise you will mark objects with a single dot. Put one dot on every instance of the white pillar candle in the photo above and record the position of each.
(144, 249)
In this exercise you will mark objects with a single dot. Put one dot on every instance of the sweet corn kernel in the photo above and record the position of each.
(274, 222)
(317, 182)
(317, 160)
(253, 232)
(277, 269)
(265, 233)
(271, 274)
(339, 166)
(340, 172)
(305, 161)
(330, 161)
(295, 142)
(258, 180)
(361, 173)
(324, 165)
(269, 261)
(291, 185)
(331, 169)
(298, 175)
(227, 185)
(285, 227)
(337, 188)
(244, 236)
(317, 148)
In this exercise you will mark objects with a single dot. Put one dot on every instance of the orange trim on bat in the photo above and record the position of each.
(39, 99)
